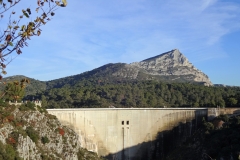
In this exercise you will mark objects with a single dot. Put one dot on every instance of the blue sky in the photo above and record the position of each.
(88, 34)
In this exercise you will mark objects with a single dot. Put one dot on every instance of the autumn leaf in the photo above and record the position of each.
(64, 3)
(18, 51)
(27, 81)
(23, 27)
(44, 15)
(38, 32)
(16, 27)
(8, 38)
(26, 15)
(57, 3)
(4, 72)
(39, 2)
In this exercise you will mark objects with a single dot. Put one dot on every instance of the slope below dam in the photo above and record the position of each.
(134, 133)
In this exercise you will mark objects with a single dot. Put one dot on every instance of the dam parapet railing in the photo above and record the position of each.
(111, 109)
(37, 103)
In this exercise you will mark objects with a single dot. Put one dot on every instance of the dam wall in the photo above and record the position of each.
(134, 133)
(214, 112)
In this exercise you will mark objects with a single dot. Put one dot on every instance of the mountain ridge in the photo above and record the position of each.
(171, 66)
(171, 63)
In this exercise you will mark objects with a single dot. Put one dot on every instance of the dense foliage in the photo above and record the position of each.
(218, 139)
(92, 89)
(15, 90)
(224, 142)
(92, 93)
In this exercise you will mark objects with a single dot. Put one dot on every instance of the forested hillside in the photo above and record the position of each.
(92, 93)
(215, 140)
(35, 86)
(97, 89)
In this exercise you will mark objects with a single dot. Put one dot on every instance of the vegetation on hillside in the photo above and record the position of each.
(99, 88)
(219, 139)
(15, 91)
(93, 93)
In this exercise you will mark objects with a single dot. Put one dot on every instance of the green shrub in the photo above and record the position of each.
(45, 140)
(208, 126)
(3, 103)
(7, 152)
(32, 134)
(41, 110)
(50, 116)
(85, 154)
(27, 106)
(236, 120)
(224, 118)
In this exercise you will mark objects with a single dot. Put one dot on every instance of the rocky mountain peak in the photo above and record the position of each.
(172, 58)
(172, 63)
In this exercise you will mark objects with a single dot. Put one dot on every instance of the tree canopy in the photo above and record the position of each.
(92, 93)
(15, 90)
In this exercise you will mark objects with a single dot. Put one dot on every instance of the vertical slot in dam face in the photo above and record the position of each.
(122, 143)
(132, 133)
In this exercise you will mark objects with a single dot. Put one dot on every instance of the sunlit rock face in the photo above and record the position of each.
(172, 63)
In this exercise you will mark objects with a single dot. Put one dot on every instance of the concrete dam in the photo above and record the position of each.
(133, 133)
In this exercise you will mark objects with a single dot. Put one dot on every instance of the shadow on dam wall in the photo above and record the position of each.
(134, 134)
(159, 148)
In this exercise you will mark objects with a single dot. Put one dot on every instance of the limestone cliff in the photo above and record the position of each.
(172, 65)
(34, 134)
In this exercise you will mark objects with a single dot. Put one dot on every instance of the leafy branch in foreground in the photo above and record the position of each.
(15, 90)
(21, 28)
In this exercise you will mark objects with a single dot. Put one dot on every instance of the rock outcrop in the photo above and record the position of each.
(35, 134)
(172, 64)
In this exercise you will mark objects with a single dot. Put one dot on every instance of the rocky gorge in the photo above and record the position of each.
(28, 132)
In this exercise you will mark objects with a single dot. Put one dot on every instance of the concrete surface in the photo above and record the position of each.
(121, 133)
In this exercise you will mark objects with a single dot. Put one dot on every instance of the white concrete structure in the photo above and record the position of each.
(37, 103)
(122, 133)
